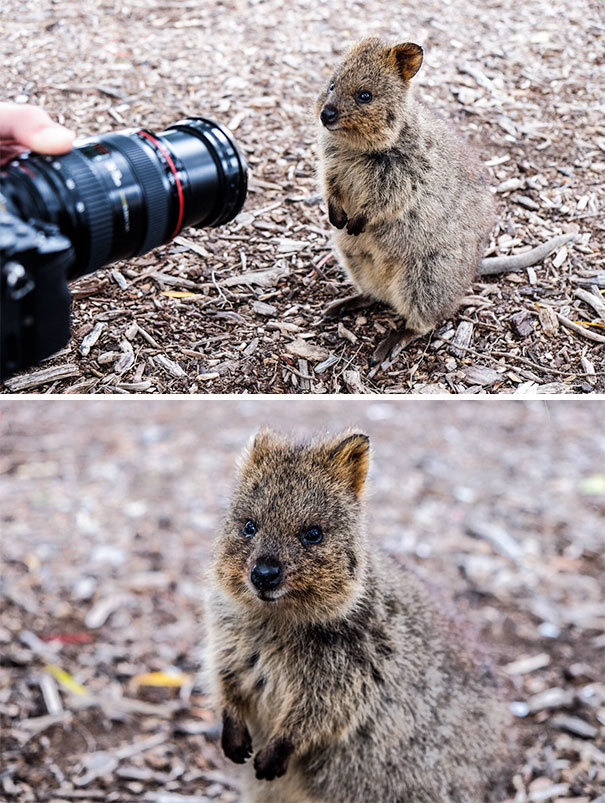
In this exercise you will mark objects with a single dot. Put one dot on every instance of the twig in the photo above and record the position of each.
(526, 361)
(594, 301)
(580, 329)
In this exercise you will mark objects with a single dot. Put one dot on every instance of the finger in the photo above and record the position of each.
(32, 128)
(8, 151)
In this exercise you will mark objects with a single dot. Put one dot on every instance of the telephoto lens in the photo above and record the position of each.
(124, 193)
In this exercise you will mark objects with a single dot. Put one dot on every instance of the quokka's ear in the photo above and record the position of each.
(349, 460)
(406, 59)
(265, 441)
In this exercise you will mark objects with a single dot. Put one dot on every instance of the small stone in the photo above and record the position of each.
(523, 323)
(549, 630)
(519, 709)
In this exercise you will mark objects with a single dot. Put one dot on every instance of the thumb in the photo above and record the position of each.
(52, 138)
(30, 127)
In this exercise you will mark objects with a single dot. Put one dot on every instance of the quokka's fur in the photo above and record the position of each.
(352, 684)
(406, 193)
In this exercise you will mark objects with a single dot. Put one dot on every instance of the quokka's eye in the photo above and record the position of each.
(249, 528)
(331, 87)
(312, 535)
(364, 96)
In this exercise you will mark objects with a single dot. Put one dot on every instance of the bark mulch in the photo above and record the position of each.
(239, 309)
(108, 518)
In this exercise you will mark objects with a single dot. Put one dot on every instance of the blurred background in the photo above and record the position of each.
(109, 510)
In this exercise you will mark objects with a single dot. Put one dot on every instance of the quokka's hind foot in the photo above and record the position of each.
(348, 304)
(388, 350)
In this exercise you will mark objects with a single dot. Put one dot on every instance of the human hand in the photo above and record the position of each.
(25, 128)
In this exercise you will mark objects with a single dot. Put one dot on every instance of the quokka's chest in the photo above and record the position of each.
(347, 176)
(261, 672)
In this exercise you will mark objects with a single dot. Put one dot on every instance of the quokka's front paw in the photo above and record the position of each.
(235, 739)
(272, 761)
(337, 215)
(357, 225)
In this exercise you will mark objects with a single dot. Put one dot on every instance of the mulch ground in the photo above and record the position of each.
(522, 80)
(108, 519)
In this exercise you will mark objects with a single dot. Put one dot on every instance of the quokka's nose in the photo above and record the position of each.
(329, 114)
(266, 574)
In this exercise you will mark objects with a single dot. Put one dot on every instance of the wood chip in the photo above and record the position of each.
(287, 245)
(173, 281)
(595, 300)
(126, 359)
(525, 201)
(191, 246)
(481, 375)
(548, 321)
(119, 279)
(301, 348)
(588, 368)
(261, 308)
(597, 279)
(169, 365)
(550, 698)
(91, 338)
(549, 792)
(352, 380)
(462, 339)
(575, 725)
(100, 613)
(560, 257)
(345, 333)
(260, 278)
(50, 693)
(331, 360)
(498, 537)
(524, 666)
(42, 377)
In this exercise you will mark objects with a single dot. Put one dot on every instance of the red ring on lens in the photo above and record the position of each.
(173, 169)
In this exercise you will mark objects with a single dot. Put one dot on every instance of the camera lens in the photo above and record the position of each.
(122, 194)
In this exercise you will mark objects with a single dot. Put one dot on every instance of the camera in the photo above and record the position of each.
(112, 197)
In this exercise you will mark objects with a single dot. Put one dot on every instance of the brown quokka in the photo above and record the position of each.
(333, 666)
(406, 193)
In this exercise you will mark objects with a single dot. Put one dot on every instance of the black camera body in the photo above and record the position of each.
(35, 260)
(110, 198)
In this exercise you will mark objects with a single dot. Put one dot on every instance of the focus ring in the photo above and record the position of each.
(230, 163)
(149, 174)
(96, 209)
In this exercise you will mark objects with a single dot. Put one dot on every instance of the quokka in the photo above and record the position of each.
(406, 193)
(339, 676)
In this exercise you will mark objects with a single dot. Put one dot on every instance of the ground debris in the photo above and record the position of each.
(101, 593)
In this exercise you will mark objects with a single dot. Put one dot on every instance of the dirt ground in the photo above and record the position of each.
(108, 518)
(522, 80)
